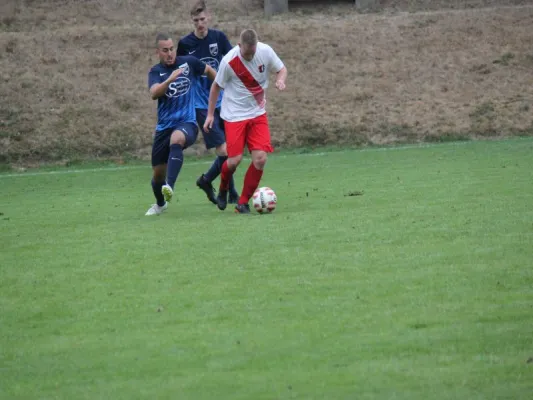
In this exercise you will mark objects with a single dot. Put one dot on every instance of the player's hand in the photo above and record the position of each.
(280, 85)
(208, 123)
(174, 75)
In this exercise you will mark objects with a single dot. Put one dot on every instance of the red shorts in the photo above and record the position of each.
(251, 132)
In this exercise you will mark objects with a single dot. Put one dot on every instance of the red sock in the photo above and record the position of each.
(251, 182)
(225, 176)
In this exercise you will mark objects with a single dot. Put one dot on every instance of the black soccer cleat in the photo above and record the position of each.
(233, 197)
(242, 209)
(206, 186)
(222, 200)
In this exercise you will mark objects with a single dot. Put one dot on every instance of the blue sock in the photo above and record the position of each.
(156, 187)
(175, 161)
(214, 170)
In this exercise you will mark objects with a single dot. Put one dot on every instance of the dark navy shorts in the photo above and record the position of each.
(161, 141)
(215, 137)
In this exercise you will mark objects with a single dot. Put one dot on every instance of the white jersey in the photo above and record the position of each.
(244, 82)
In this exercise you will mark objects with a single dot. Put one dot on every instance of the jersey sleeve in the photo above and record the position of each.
(197, 66)
(274, 62)
(225, 45)
(223, 74)
(182, 48)
(153, 78)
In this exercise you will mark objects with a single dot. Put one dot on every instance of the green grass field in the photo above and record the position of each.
(421, 288)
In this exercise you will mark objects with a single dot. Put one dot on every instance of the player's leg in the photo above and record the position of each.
(216, 139)
(235, 141)
(213, 139)
(160, 150)
(222, 152)
(183, 136)
(259, 144)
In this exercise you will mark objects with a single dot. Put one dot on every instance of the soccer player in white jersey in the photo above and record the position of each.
(243, 74)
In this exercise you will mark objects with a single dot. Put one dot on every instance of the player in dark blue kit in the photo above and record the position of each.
(210, 46)
(172, 82)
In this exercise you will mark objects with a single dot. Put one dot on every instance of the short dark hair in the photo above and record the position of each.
(198, 8)
(249, 37)
(161, 36)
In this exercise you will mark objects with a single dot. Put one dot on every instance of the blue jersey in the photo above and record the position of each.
(178, 103)
(210, 50)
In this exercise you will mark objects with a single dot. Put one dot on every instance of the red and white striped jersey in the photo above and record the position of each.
(244, 82)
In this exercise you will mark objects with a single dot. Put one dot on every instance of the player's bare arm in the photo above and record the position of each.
(281, 77)
(210, 72)
(159, 89)
(213, 97)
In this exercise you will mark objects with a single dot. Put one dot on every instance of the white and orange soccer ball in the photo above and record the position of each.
(264, 200)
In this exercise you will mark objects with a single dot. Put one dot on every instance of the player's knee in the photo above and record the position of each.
(160, 172)
(233, 162)
(259, 160)
(178, 137)
(221, 150)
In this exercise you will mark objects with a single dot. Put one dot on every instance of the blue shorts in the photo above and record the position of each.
(216, 136)
(161, 141)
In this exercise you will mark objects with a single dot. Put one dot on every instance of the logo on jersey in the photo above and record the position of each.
(213, 49)
(185, 69)
(179, 87)
(262, 68)
(212, 62)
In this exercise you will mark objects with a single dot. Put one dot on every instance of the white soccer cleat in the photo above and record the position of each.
(167, 192)
(156, 210)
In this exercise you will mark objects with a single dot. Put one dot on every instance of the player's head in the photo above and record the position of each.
(248, 44)
(165, 49)
(200, 18)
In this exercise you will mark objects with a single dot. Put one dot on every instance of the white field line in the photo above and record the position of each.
(147, 166)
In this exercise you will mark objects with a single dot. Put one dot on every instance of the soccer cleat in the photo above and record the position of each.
(206, 186)
(156, 210)
(222, 199)
(233, 197)
(167, 192)
(242, 209)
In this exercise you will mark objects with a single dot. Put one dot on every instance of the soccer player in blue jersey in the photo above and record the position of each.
(210, 46)
(171, 82)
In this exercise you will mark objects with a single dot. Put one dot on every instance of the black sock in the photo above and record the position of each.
(156, 187)
(232, 185)
(214, 170)
(175, 161)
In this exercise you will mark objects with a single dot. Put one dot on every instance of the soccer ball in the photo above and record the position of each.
(264, 200)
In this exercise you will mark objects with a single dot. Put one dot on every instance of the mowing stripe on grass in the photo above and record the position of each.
(320, 154)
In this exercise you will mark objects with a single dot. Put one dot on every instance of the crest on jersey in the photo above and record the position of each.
(185, 68)
(213, 49)
(262, 68)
